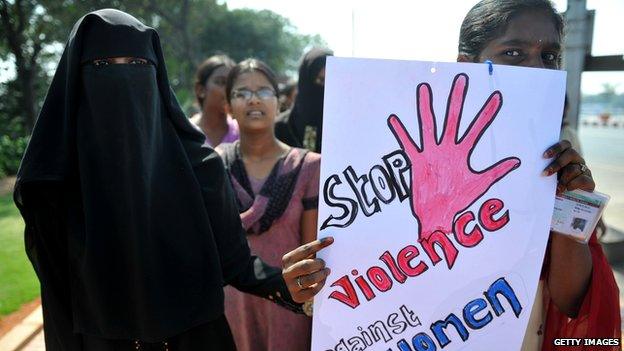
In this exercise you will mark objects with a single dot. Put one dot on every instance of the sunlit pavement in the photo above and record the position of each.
(603, 150)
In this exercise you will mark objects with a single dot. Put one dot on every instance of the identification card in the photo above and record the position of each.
(577, 212)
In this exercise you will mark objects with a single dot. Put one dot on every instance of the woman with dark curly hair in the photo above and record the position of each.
(277, 190)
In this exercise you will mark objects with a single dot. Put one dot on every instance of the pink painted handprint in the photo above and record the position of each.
(443, 182)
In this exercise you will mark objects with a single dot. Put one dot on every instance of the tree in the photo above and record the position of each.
(26, 30)
(262, 34)
(190, 30)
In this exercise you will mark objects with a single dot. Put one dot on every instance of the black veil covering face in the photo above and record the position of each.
(131, 224)
(302, 125)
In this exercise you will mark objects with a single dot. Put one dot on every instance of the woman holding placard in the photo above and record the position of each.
(581, 294)
(577, 295)
(277, 190)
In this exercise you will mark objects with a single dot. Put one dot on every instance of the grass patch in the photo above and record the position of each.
(18, 282)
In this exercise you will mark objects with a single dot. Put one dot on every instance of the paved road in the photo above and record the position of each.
(603, 149)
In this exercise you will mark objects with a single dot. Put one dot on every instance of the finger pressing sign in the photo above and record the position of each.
(305, 251)
(557, 149)
(562, 160)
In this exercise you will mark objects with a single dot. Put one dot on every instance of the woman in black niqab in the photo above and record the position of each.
(301, 126)
(131, 224)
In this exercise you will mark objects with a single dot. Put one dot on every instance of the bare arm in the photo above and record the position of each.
(570, 262)
(569, 273)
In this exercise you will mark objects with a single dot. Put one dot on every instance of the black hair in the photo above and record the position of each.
(489, 19)
(288, 87)
(206, 68)
(247, 66)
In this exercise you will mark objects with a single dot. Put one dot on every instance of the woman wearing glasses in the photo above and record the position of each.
(210, 94)
(277, 190)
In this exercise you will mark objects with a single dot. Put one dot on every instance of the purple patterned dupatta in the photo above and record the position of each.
(258, 211)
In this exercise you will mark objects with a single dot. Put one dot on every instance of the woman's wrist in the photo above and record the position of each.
(308, 307)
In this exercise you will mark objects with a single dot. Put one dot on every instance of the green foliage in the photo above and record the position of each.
(39, 26)
(12, 119)
(18, 282)
(11, 151)
(263, 34)
(13, 138)
(190, 31)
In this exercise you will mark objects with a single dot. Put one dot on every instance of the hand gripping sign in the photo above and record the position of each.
(439, 241)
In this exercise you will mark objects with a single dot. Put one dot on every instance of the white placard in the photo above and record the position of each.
(431, 186)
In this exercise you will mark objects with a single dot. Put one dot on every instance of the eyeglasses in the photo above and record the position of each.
(246, 94)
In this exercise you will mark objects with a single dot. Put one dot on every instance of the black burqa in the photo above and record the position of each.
(301, 126)
(131, 225)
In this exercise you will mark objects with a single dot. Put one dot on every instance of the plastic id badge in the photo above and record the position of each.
(577, 212)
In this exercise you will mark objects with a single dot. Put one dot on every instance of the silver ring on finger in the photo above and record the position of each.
(299, 282)
(584, 168)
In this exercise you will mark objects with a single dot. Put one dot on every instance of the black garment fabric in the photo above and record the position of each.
(215, 335)
(301, 126)
(131, 224)
(278, 187)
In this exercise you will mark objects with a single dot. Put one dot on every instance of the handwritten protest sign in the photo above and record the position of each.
(431, 186)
